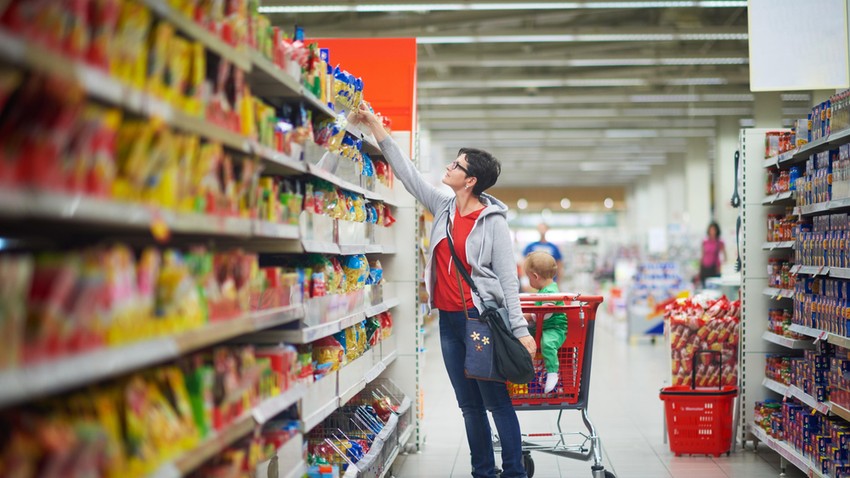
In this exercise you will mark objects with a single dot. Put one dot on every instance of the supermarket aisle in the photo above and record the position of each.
(625, 409)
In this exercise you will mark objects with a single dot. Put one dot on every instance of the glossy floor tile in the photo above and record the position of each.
(624, 408)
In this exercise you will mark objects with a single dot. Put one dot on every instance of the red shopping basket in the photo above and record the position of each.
(699, 420)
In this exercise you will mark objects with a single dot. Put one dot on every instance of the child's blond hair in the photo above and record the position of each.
(542, 264)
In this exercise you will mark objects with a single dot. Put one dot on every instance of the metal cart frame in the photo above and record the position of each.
(573, 389)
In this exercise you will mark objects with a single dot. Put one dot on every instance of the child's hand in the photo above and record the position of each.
(529, 317)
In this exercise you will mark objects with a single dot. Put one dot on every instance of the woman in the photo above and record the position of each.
(712, 250)
(482, 241)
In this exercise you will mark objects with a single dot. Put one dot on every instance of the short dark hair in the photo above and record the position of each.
(715, 226)
(482, 166)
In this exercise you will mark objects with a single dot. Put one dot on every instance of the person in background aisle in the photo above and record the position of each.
(483, 243)
(712, 250)
(546, 246)
(540, 268)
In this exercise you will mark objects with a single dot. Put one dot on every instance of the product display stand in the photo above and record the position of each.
(759, 296)
(50, 215)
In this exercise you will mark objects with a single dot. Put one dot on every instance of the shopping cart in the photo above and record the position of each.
(573, 388)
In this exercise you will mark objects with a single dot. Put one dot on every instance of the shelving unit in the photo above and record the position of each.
(757, 298)
(49, 212)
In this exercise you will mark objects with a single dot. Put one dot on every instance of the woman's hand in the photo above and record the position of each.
(530, 344)
(365, 116)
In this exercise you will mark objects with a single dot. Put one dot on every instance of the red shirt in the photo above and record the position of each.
(446, 294)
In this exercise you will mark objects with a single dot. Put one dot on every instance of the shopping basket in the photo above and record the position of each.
(699, 420)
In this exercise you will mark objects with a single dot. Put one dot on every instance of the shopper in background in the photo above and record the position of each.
(712, 250)
(482, 241)
(545, 246)
(540, 269)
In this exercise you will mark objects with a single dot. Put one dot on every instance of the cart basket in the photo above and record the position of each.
(699, 421)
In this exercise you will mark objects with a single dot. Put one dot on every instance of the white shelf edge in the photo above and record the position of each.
(776, 294)
(271, 407)
(807, 331)
(198, 33)
(67, 372)
(309, 334)
(784, 450)
(787, 342)
(775, 386)
(319, 415)
(839, 272)
(809, 400)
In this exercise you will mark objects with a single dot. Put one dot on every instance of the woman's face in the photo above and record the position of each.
(456, 173)
(712, 232)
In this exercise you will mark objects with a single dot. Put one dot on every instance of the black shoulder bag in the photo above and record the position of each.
(492, 351)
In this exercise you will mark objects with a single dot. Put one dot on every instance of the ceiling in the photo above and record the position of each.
(564, 93)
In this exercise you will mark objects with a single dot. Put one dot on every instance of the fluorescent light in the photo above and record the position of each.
(696, 81)
(586, 62)
(592, 99)
(550, 83)
(585, 37)
(437, 7)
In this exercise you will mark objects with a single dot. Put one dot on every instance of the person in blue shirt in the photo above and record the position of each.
(544, 246)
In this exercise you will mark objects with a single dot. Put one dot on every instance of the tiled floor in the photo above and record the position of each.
(625, 409)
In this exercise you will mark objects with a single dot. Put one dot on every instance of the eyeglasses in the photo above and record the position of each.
(455, 165)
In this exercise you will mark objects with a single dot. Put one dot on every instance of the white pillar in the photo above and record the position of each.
(726, 145)
(768, 110)
(697, 182)
(674, 179)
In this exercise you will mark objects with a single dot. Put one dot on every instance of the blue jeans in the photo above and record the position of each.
(475, 398)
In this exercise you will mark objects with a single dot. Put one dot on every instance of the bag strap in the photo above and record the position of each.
(462, 298)
(459, 265)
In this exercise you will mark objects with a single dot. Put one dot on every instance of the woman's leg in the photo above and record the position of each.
(478, 434)
(498, 402)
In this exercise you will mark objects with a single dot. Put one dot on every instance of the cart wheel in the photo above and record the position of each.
(608, 474)
(528, 463)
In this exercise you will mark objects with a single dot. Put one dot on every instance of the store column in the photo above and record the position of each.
(768, 110)
(697, 184)
(726, 144)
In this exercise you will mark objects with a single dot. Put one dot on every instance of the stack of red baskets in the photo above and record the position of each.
(699, 420)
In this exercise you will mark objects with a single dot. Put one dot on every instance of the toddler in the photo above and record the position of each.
(540, 268)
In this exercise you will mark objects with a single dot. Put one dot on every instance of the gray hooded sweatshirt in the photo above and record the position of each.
(493, 268)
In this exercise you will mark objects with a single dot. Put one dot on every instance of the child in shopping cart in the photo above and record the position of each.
(540, 268)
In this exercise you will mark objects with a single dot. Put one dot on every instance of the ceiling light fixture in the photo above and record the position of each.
(482, 6)
(567, 83)
(522, 203)
(595, 99)
(566, 203)
(584, 37)
(608, 203)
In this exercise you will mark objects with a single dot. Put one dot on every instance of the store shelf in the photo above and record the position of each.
(777, 387)
(779, 159)
(67, 372)
(213, 445)
(787, 452)
(274, 406)
(380, 367)
(298, 471)
(830, 142)
(778, 198)
(384, 306)
(267, 74)
(278, 162)
(781, 245)
(839, 272)
(192, 30)
(777, 294)
(331, 178)
(270, 230)
(810, 270)
(837, 340)
(306, 335)
(810, 209)
(793, 344)
(809, 400)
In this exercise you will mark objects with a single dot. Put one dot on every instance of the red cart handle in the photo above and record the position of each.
(562, 296)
